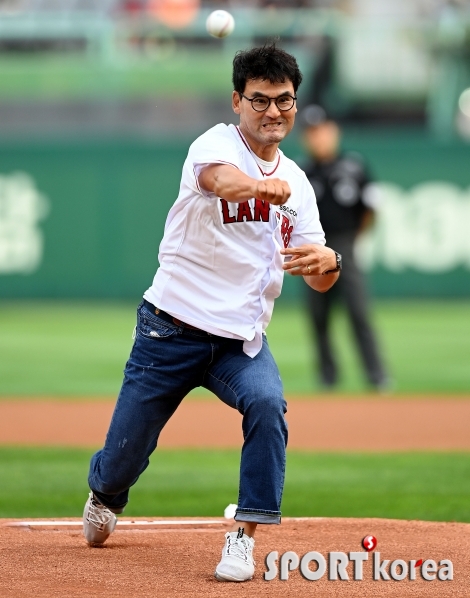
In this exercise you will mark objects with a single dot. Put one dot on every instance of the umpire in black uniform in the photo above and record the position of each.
(345, 202)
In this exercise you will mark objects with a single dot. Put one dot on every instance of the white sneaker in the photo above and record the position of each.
(237, 562)
(98, 521)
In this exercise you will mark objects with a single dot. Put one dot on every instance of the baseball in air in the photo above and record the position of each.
(220, 23)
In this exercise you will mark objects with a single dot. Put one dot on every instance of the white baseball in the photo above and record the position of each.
(220, 23)
(230, 510)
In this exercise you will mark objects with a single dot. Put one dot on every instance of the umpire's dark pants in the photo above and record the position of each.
(352, 290)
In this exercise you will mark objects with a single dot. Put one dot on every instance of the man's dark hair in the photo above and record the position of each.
(268, 63)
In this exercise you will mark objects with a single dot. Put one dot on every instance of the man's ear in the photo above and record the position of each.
(236, 102)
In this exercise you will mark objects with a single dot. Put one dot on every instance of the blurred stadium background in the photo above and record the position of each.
(99, 101)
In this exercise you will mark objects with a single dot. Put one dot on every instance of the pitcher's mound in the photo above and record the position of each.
(174, 558)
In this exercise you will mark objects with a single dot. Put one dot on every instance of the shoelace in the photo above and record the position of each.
(240, 548)
(98, 515)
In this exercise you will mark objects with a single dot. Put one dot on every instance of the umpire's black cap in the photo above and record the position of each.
(313, 115)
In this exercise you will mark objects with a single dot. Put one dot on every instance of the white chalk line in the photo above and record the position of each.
(120, 523)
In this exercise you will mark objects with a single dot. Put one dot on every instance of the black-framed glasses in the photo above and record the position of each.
(262, 103)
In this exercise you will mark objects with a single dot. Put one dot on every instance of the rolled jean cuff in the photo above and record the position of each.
(116, 510)
(254, 516)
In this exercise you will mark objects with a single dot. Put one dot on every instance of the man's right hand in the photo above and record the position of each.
(274, 191)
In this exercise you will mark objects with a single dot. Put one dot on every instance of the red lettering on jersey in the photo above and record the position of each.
(244, 211)
(225, 213)
(262, 210)
(286, 230)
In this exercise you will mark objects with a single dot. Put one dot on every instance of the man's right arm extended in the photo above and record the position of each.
(233, 185)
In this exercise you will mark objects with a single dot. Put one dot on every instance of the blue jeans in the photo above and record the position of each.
(166, 362)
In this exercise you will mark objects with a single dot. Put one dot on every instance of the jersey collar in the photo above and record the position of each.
(253, 154)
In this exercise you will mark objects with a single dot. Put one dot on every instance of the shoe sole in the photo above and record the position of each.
(97, 543)
(228, 578)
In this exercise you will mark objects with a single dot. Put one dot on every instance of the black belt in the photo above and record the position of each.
(167, 317)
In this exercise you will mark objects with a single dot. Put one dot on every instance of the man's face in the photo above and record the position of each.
(272, 125)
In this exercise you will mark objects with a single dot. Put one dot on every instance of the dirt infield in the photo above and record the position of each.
(177, 559)
(40, 563)
(328, 423)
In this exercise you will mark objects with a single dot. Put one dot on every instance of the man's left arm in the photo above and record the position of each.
(313, 262)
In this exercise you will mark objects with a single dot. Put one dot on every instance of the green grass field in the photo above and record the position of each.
(52, 483)
(71, 350)
(79, 349)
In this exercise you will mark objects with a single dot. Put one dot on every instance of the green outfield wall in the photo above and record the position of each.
(83, 218)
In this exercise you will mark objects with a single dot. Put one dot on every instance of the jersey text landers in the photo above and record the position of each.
(244, 212)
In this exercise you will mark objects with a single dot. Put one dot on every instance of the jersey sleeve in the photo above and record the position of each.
(308, 228)
(216, 146)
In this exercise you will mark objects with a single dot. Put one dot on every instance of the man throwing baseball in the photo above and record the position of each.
(244, 215)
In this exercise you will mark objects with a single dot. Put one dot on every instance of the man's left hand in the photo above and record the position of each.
(308, 260)
(311, 262)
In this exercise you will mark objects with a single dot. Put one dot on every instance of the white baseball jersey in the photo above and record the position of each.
(220, 262)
